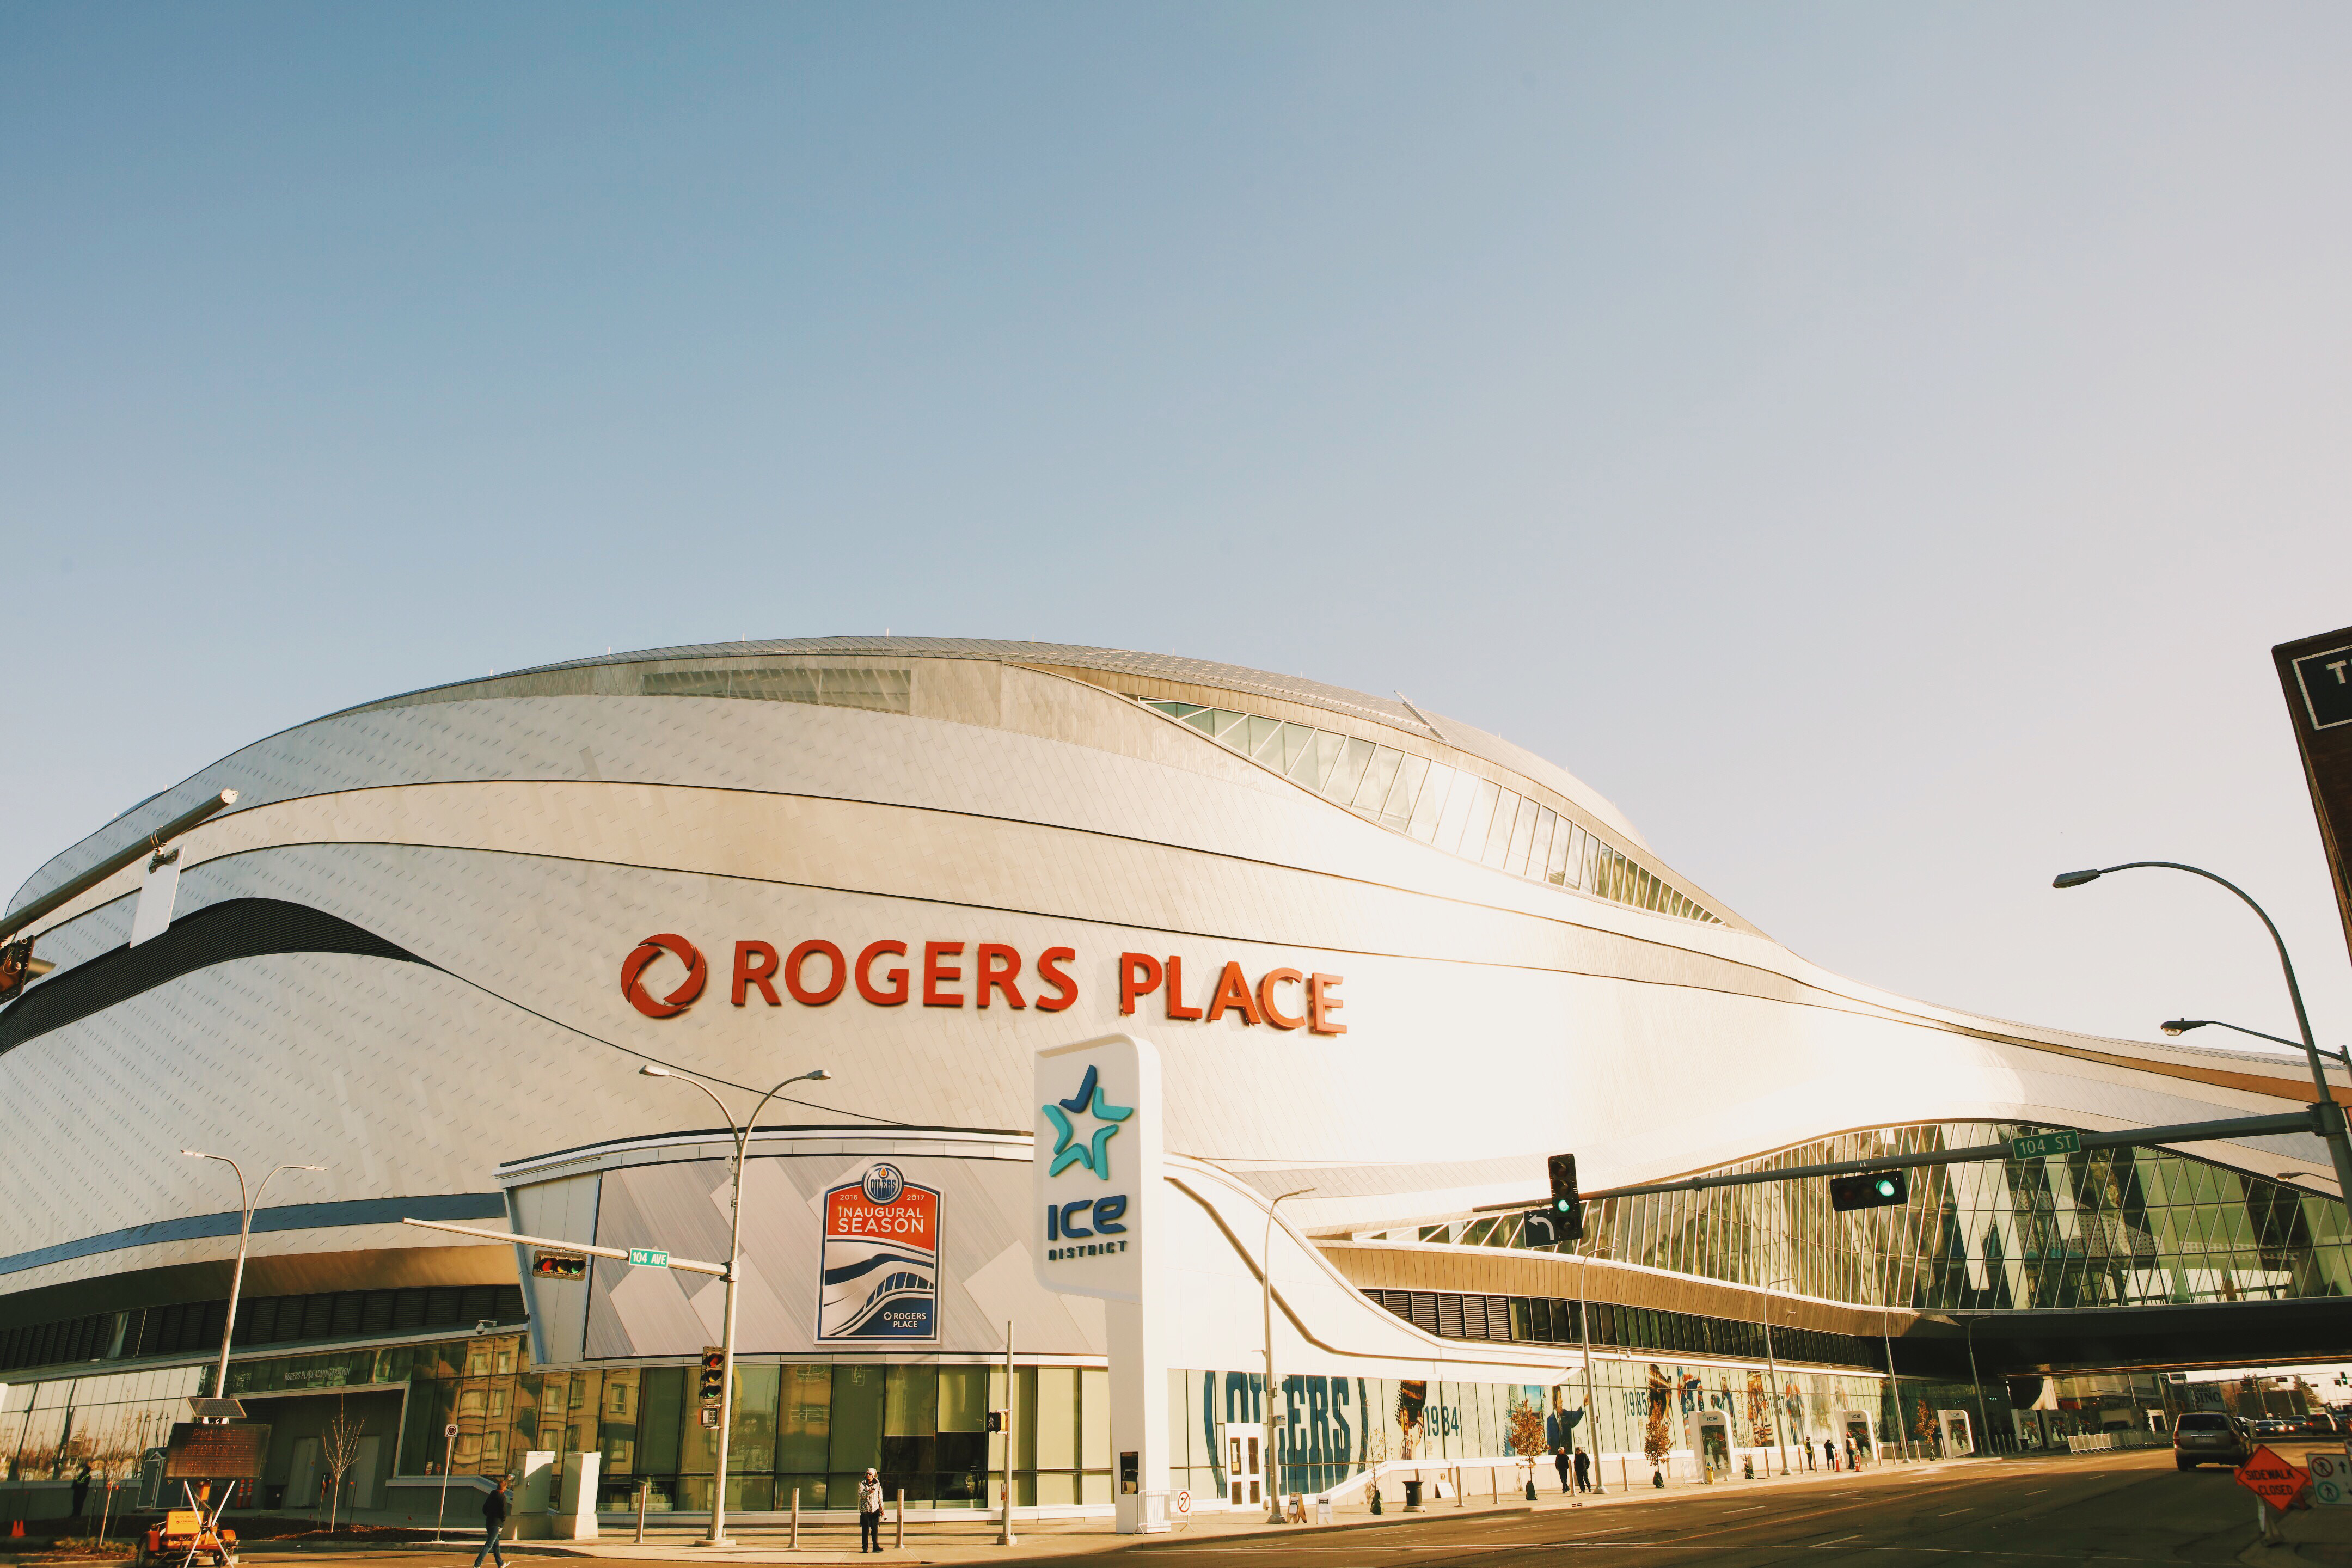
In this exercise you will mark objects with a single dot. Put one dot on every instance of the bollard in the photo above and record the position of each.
(796, 1518)
(642, 1484)
(902, 1518)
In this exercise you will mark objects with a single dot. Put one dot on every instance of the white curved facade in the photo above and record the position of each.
(494, 852)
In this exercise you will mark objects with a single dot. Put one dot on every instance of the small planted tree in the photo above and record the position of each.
(338, 1450)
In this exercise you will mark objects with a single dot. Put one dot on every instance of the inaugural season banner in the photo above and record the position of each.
(880, 1261)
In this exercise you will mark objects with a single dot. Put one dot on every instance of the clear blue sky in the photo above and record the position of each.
(1877, 445)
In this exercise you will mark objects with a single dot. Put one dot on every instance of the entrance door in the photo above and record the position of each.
(364, 1472)
(1244, 1465)
(302, 1476)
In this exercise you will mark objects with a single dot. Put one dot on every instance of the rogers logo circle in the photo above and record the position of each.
(698, 975)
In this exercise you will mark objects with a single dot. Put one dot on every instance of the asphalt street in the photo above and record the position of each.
(2108, 1509)
(2120, 1508)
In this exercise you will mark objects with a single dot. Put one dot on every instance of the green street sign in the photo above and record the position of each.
(2042, 1143)
(655, 1257)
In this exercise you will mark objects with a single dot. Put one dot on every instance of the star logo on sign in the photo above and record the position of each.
(1094, 1152)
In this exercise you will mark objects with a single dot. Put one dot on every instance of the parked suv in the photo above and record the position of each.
(2210, 1438)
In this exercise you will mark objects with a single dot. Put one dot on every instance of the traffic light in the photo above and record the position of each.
(1567, 1208)
(1872, 1190)
(714, 1375)
(558, 1266)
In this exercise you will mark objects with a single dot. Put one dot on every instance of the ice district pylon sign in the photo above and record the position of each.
(1099, 1212)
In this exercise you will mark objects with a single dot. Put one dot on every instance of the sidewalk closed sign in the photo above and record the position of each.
(2272, 1479)
(2331, 1479)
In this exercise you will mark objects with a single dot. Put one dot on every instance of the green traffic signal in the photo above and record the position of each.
(1886, 1187)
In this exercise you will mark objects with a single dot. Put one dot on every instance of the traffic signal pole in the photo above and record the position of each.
(2305, 1121)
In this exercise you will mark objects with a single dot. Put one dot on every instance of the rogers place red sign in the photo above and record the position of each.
(890, 973)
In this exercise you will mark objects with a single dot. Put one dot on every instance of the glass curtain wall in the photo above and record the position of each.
(2107, 1227)
(1454, 811)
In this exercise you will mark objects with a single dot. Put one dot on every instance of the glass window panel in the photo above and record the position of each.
(1498, 830)
(1320, 760)
(858, 1394)
(1378, 777)
(1224, 724)
(963, 1399)
(1263, 738)
(1480, 818)
(1569, 870)
(803, 1420)
(1539, 852)
(1348, 772)
(1429, 805)
(1297, 741)
(1398, 809)
(912, 1409)
(1523, 837)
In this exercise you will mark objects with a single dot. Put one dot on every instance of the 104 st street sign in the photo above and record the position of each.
(2036, 1145)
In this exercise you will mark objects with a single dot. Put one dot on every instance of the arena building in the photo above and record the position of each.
(1383, 955)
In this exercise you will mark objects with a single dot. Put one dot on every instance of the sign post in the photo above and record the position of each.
(448, 1452)
(1099, 1204)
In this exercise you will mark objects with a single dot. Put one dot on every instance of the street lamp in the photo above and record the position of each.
(1265, 1274)
(2331, 1118)
(1779, 1415)
(244, 1236)
(743, 1136)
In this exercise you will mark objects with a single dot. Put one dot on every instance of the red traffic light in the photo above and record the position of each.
(558, 1266)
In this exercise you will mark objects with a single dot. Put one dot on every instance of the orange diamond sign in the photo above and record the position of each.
(2272, 1478)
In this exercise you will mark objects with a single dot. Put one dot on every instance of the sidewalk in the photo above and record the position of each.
(976, 1542)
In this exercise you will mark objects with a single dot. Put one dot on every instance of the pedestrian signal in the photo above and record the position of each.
(996, 1420)
(1875, 1190)
(714, 1375)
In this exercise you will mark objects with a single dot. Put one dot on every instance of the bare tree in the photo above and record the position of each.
(338, 1450)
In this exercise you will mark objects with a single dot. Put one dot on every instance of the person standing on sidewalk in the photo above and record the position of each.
(1559, 1463)
(1583, 1471)
(494, 1519)
(869, 1512)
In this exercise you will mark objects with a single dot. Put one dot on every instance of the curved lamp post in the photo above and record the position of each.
(1265, 1274)
(244, 1239)
(1776, 1404)
(743, 1136)
(2331, 1117)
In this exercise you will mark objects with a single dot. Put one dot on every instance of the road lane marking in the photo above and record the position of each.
(1955, 1513)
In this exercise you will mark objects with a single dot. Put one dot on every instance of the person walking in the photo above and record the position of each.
(81, 1489)
(1583, 1471)
(1559, 1463)
(869, 1512)
(494, 1519)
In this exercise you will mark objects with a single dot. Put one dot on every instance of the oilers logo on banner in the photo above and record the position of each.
(880, 1261)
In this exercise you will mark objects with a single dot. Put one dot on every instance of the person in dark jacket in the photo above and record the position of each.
(1559, 1463)
(1583, 1471)
(81, 1489)
(494, 1519)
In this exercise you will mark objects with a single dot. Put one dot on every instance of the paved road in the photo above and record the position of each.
(2114, 1509)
